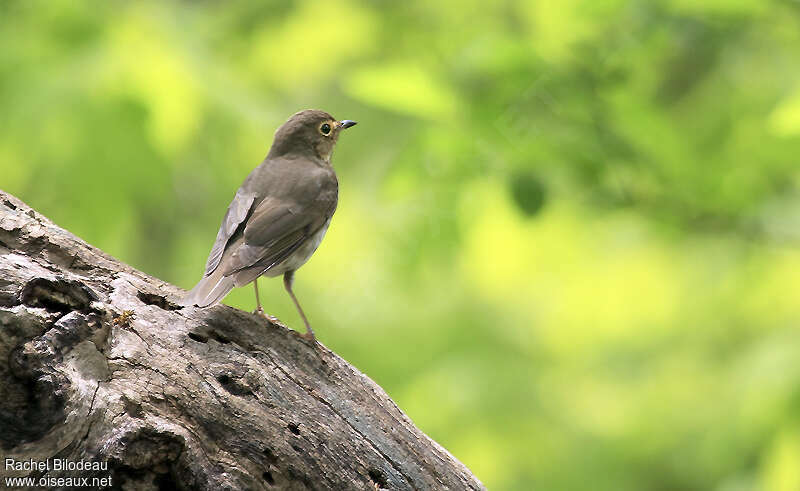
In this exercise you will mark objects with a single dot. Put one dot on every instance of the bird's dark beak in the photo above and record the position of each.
(346, 123)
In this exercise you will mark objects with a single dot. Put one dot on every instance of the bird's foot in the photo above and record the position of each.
(312, 340)
(271, 319)
(309, 334)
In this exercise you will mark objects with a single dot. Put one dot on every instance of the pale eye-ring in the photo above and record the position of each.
(325, 129)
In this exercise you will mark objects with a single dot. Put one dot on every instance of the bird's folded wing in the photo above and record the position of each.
(236, 214)
(273, 232)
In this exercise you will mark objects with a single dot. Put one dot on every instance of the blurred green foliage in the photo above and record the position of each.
(567, 238)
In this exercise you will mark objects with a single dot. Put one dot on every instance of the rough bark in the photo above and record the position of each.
(99, 364)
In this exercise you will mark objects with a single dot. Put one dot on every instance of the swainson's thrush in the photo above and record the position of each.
(280, 213)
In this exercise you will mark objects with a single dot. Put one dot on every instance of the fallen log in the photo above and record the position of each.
(104, 376)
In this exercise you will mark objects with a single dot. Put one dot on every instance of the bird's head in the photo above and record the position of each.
(310, 133)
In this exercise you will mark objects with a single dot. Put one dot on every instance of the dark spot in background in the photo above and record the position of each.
(528, 192)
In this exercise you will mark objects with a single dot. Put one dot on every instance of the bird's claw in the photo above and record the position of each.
(260, 312)
(316, 346)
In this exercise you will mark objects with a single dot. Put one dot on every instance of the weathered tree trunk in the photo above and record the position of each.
(98, 364)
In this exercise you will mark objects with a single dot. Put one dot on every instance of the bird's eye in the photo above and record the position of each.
(325, 129)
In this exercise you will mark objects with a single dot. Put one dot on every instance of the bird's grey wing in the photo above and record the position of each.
(268, 257)
(237, 213)
(275, 229)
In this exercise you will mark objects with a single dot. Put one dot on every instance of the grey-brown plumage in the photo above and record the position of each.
(280, 213)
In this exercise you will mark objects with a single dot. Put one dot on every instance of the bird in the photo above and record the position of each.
(279, 215)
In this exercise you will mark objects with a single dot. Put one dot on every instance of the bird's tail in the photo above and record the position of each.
(210, 290)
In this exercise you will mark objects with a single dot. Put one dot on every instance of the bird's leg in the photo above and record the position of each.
(259, 310)
(288, 279)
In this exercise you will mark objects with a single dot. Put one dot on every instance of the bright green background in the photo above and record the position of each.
(568, 236)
